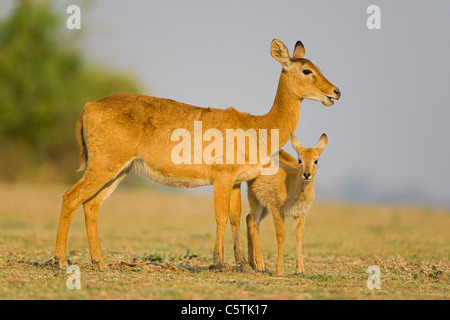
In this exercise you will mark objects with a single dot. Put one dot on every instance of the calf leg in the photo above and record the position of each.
(299, 230)
(281, 236)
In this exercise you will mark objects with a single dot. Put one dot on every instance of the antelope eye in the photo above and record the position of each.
(299, 161)
(315, 162)
(306, 71)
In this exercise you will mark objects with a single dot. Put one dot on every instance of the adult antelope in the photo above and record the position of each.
(126, 131)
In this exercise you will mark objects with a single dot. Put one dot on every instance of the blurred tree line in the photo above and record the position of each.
(44, 83)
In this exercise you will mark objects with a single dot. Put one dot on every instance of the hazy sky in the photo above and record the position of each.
(389, 133)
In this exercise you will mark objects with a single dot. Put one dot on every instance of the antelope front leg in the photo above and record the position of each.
(281, 236)
(235, 220)
(222, 196)
(299, 230)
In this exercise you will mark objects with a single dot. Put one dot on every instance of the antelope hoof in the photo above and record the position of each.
(56, 262)
(246, 268)
(301, 274)
(280, 273)
(99, 265)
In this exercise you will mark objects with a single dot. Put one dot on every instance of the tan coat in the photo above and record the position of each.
(289, 193)
(126, 131)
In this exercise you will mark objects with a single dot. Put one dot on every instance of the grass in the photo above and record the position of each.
(159, 245)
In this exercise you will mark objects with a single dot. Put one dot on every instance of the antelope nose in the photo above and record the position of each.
(306, 175)
(337, 92)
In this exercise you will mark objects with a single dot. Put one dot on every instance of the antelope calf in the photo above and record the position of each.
(289, 193)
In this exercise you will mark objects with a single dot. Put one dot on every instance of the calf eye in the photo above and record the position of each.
(306, 71)
(299, 161)
(315, 162)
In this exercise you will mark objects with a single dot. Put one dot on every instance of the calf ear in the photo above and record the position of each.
(280, 53)
(299, 51)
(296, 143)
(322, 143)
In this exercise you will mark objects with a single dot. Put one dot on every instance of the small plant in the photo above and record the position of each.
(174, 257)
(190, 255)
(156, 256)
(159, 257)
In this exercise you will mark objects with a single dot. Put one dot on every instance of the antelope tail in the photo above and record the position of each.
(81, 143)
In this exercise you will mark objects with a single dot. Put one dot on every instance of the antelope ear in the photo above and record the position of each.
(296, 143)
(299, 51)
(280, 53)
(322, 143)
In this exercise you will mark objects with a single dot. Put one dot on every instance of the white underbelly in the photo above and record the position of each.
(295, 210)
(177, 182)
